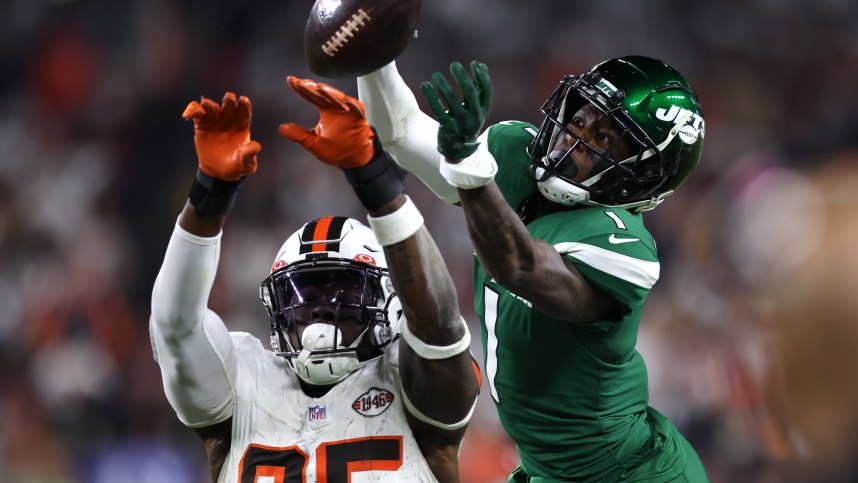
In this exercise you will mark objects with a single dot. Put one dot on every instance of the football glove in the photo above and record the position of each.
(222, 137)
(342, 138)
(462, 122)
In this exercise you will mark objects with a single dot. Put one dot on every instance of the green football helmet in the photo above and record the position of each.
(658, 116)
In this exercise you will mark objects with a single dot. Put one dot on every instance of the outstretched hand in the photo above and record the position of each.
(342, 138)
(462, 120)
(222, 137)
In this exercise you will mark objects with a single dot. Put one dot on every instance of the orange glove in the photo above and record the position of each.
(222, 137)
(342, 138)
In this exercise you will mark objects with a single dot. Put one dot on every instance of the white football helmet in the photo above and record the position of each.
(330, 275)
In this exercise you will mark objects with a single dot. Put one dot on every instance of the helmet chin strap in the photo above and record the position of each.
(559, 191)
(323, 369)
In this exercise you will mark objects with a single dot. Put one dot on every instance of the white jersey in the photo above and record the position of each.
(355, 433)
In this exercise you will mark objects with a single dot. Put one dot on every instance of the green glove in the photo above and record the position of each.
(462, 123)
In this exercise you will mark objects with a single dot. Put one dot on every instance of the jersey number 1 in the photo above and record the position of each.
(490, 302)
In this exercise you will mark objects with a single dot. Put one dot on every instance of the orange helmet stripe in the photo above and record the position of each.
(321, 234)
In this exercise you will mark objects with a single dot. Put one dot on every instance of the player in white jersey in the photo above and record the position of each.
(370, 378)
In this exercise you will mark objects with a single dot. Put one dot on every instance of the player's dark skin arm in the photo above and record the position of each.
(530, 268)
(217, 438)
(203, 226)
(527, 267)
(444, 389)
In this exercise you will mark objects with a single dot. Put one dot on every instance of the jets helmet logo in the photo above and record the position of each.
(693, 125)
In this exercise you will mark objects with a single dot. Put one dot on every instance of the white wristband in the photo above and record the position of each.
(397, 226)
(478, 169)
(434, 352)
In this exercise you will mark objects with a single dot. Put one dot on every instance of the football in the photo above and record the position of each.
(350, 38)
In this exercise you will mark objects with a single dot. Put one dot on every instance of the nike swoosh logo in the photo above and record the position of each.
(613, 239)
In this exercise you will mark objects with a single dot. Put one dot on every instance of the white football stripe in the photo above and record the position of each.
(491, 318)
(633, 270)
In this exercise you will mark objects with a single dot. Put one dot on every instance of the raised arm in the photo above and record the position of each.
(526, 266)
(437, 371)
(406, 132)
(190, 342)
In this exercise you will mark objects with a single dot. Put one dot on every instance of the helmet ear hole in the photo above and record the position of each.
(386, 331)
(381, 333)
(621, 188)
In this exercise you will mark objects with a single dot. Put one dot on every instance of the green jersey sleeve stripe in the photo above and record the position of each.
(633, 270)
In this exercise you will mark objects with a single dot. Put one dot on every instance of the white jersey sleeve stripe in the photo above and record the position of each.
(435, 352)
(434, 422)
(639, 272)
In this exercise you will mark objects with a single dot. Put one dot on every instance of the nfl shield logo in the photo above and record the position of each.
(327, 8)
(317, 414)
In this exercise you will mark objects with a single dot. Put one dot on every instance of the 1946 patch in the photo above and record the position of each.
(373, 402)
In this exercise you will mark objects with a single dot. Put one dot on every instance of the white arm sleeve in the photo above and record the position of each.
(190, 342)
(408, 134)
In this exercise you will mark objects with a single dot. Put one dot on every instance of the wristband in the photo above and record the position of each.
(435, 352)
(379, 181)
(212, 197)
(397, 226)
(477, 170)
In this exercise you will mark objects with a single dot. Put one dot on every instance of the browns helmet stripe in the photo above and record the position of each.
(322, 230)
(320, 233)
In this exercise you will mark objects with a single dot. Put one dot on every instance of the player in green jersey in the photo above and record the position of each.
(563, 260)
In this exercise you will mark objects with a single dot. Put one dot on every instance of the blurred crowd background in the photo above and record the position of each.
(749, 336)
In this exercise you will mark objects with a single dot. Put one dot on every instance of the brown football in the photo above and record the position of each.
(350, 38)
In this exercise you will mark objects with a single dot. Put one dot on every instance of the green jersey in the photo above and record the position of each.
(574, 397)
